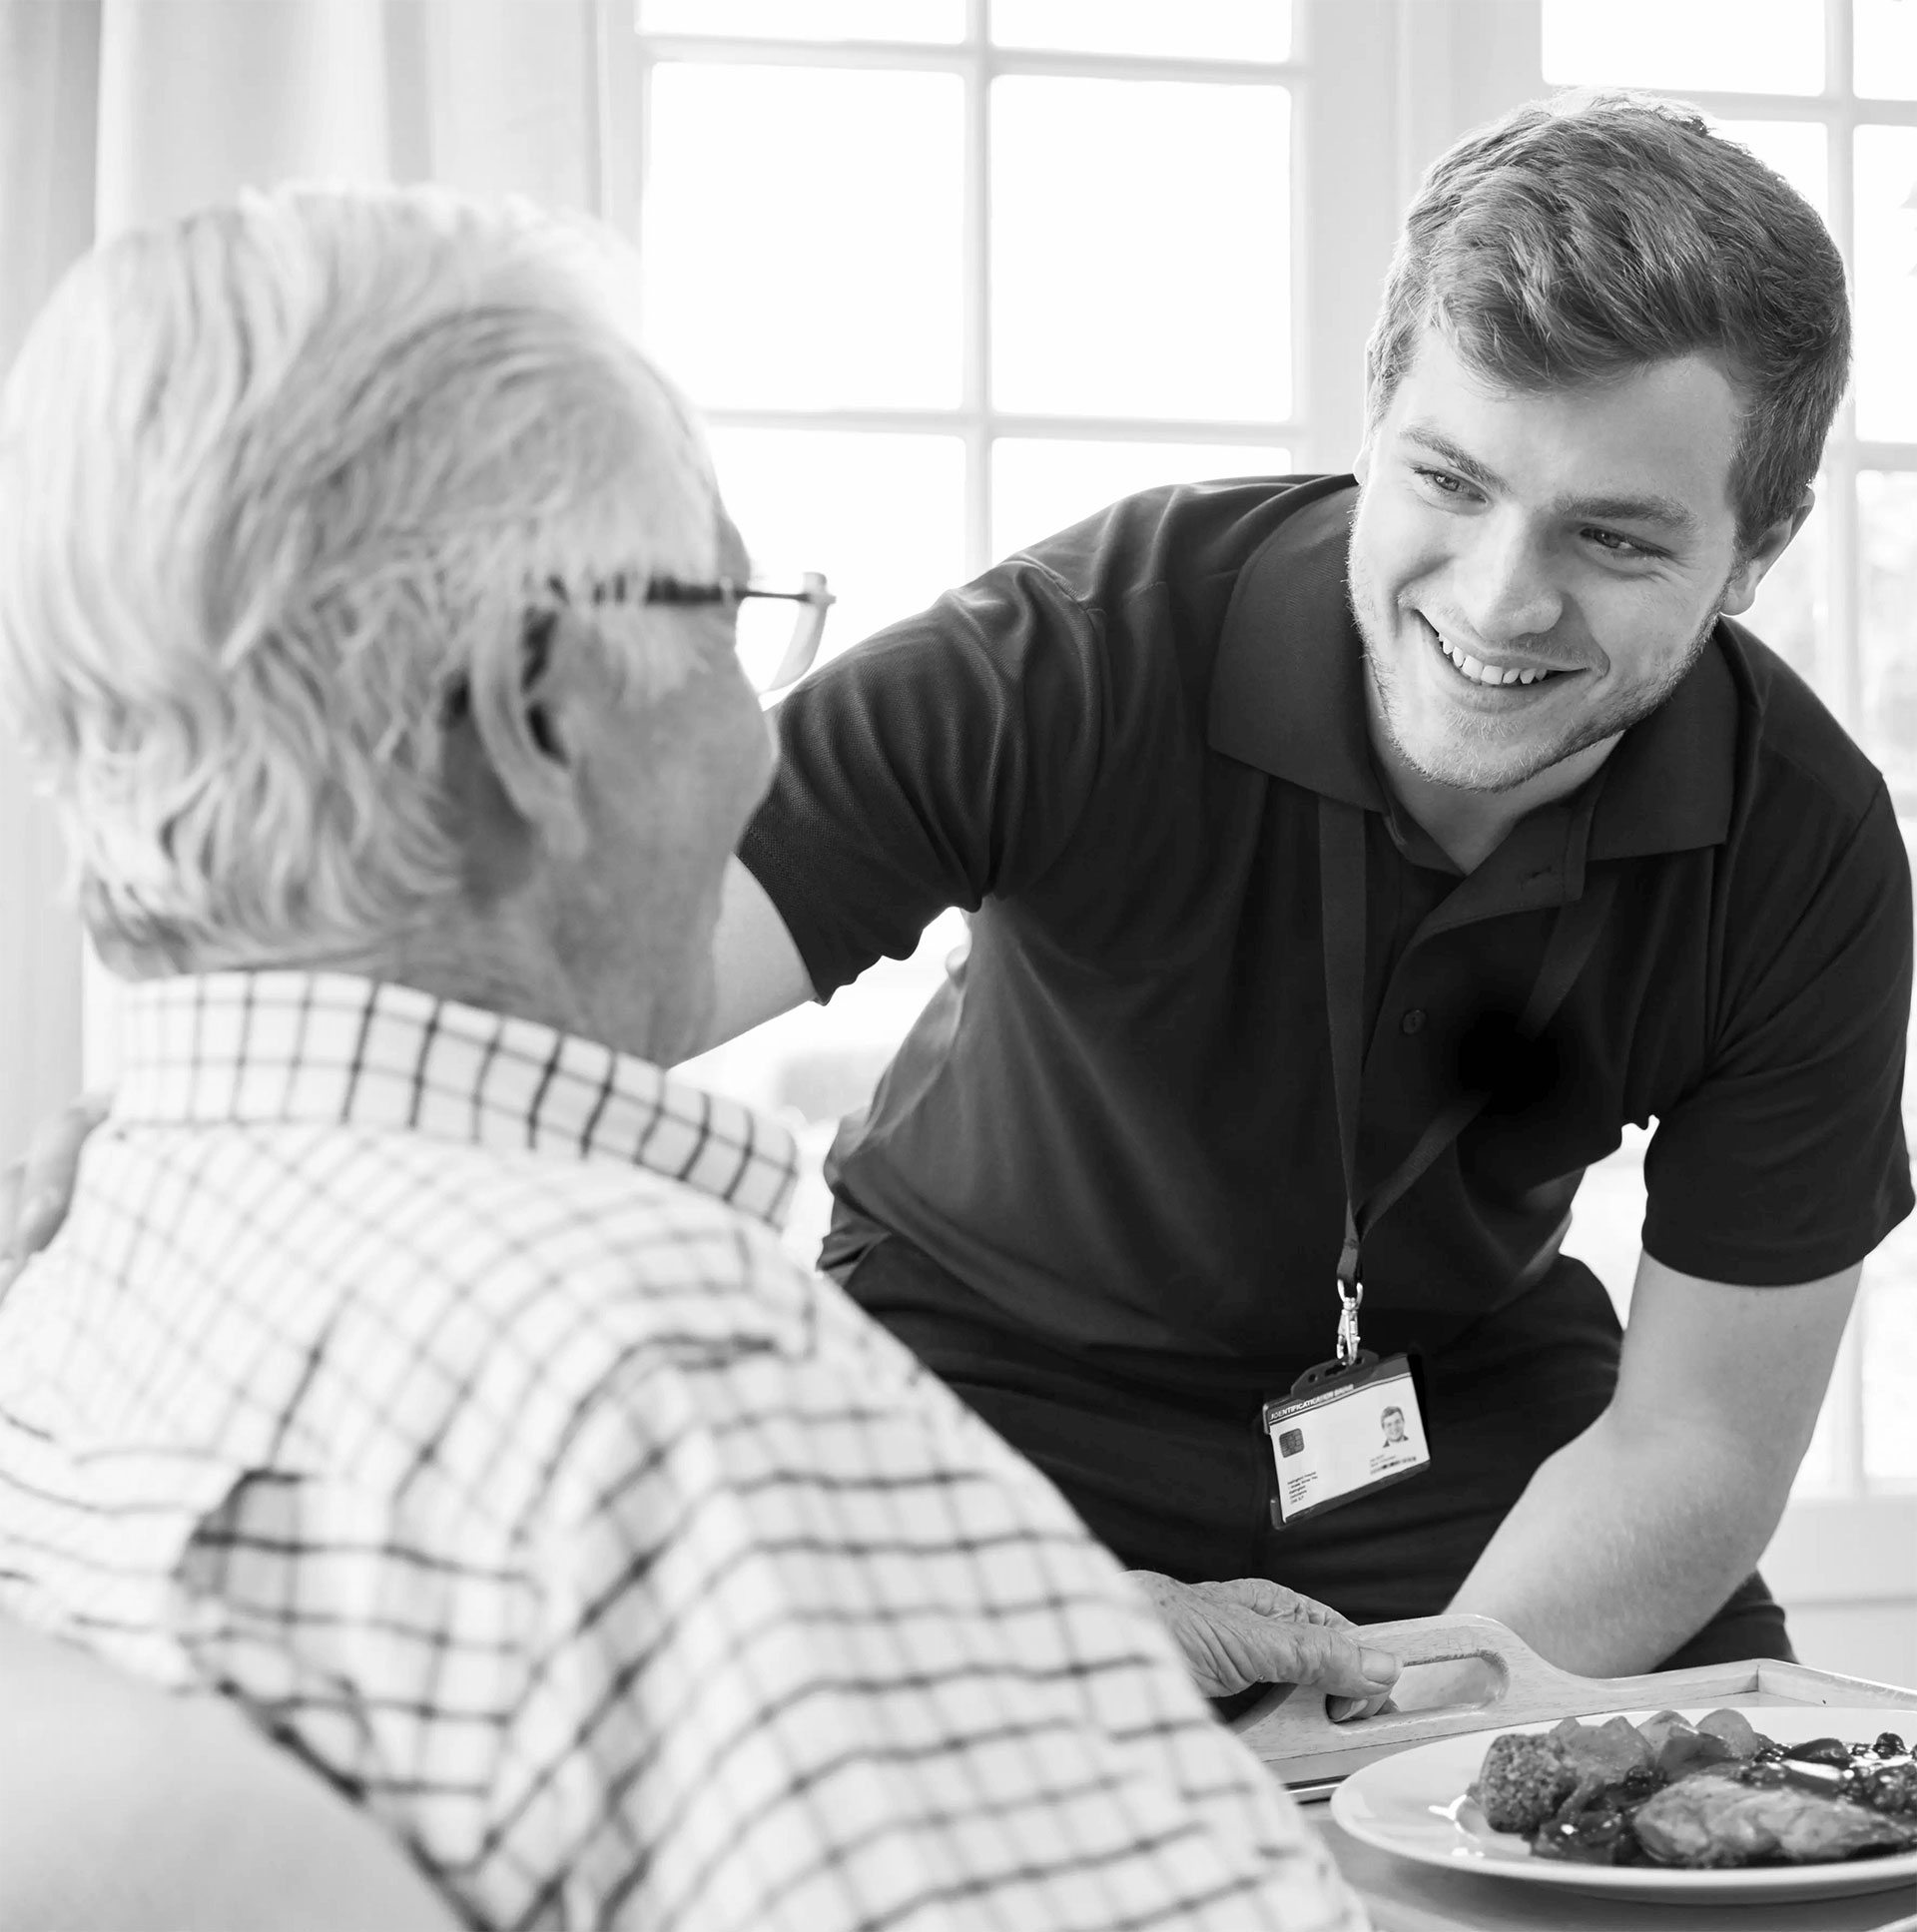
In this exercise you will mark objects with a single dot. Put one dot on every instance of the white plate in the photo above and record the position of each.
(1414, 1804)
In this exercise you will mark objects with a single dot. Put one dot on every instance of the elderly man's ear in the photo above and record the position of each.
(517, 754)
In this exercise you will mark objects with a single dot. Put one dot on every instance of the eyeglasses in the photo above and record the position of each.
(775, 650)
(774, 653)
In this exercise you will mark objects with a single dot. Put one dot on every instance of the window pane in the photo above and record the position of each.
(1886, 282)
(1732, 45)
(1196, 29)
(1887, 537)
(1792, 606)
(783, 269)
(1890, 1360)
(1798, 150)
(1884, 42)
(1140, 248)
(936, 20)
(1607, 1218)
(882, 515)
(1041, 487)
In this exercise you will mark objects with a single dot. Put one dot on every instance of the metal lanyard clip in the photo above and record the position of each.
(1351, 1293)
(1348, 1300)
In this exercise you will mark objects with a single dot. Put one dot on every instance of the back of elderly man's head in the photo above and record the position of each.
(275, 481)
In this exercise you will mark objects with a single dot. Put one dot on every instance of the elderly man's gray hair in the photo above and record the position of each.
(277, 480)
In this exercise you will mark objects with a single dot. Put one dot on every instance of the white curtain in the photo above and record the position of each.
(114, 113)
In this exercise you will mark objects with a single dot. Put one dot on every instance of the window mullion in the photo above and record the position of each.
(976, 381)
(1840, 652)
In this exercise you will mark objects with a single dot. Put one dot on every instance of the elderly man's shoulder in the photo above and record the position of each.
(530, 1237)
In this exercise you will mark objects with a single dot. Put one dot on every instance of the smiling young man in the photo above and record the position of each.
(1388, 844)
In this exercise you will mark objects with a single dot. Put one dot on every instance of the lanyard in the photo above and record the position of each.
(1341, 885)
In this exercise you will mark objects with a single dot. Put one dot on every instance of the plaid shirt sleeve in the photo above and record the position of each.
(815, 1648)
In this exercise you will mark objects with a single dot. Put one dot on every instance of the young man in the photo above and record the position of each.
(1387, 843)
(418, 1365)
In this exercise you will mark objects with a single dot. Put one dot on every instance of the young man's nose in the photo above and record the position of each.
(1506, 586)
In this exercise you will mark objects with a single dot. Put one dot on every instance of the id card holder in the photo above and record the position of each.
(1344, 1431)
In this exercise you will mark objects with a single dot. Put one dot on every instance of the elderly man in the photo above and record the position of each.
(418, 1364)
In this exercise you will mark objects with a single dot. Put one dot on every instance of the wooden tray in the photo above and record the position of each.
(1289, 1731)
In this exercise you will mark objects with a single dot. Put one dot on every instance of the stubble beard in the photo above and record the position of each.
(1493, 770)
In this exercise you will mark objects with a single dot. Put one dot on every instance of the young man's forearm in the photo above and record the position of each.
(1623, 1545)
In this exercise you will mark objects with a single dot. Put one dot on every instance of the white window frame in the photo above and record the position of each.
(976, 63)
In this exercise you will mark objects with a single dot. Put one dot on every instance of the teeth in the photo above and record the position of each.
(1485, 673)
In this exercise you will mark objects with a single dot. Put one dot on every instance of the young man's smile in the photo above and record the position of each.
(1535, 572)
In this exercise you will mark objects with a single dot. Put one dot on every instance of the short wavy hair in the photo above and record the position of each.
(1593, 234)
(276, 481)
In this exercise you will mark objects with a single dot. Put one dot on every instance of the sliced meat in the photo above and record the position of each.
(1711, 1819)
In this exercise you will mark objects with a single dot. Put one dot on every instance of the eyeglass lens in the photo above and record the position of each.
(777, 641)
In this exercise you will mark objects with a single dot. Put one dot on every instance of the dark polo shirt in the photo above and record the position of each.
(1113, 1127)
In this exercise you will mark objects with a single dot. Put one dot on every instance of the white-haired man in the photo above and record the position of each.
(418, 1364)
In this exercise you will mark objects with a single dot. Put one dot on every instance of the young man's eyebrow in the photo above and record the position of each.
(1661, 512)
(1448, 451)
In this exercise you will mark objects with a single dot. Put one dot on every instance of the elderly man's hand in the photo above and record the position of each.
(35, 1191)
(1251, 1630)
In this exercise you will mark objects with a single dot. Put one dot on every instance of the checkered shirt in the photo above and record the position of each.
(434, 1384)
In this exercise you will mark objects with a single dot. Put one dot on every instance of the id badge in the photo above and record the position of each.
(1342, 1432)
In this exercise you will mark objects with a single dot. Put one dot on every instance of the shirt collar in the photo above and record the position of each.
(1287, 696)
(334, 1049)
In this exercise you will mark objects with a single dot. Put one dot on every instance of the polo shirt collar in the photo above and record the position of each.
(1288, 689)
(1287, 696)
(1668, 785)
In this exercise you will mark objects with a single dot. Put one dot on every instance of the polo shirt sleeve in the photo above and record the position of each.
(1787, 1161)
(946, 759)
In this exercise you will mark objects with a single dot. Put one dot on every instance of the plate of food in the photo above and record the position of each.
(1783, 1802)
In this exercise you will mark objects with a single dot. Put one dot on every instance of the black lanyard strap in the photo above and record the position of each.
(1341, 886)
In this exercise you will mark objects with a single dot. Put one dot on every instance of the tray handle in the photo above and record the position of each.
(1290, 1722)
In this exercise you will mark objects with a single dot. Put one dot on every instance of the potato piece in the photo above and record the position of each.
(1656, 1730)
(1740, 1738)
(1688, 1751)
(1613, 1749)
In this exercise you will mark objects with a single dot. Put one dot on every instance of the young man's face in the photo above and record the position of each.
(1533, 573)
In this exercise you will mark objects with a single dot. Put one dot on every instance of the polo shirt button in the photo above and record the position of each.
(1413, 1022)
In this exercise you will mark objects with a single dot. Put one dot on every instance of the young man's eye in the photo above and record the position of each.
(1617, 545)
(1441, 482)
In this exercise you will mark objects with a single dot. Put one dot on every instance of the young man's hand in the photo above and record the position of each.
(1251, 1630)
(35, 1191)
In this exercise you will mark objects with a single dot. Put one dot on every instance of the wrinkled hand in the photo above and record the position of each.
(36, 1191)
(1251, 1630)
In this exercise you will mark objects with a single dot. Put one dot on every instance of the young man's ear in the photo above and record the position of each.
(1752, 566)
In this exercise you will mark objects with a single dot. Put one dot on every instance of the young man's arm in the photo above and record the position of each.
(1630, 1537)
(758, 972)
